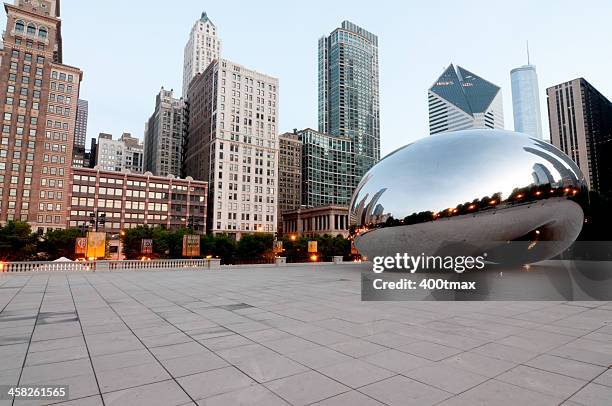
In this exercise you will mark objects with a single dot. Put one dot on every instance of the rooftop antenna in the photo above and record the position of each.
(528, 63)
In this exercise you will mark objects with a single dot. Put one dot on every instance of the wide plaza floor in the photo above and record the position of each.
(292, 335)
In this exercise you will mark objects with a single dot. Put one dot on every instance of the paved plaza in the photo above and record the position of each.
(292, 336)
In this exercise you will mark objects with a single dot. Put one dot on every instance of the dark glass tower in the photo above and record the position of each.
(348, 91)
(580, 120)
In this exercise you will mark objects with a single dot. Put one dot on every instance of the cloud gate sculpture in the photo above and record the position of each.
(469, 192)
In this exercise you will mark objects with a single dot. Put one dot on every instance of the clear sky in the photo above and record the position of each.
(129, 49)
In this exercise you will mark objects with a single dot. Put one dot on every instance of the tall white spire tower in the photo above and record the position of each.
(526, 99)
(203, 47)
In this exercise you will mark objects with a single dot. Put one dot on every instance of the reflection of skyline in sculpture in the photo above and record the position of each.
(541, 175)
(369, 210)
(508, 185)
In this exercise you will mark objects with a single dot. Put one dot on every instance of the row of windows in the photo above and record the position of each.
(31, 29)
(28, 56)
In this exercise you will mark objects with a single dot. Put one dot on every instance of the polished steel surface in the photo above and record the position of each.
(472, 188)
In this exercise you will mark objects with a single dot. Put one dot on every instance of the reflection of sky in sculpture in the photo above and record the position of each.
(448, 169)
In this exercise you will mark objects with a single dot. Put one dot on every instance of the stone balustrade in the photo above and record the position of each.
(92, 266)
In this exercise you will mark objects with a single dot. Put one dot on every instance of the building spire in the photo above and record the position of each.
(528, 62)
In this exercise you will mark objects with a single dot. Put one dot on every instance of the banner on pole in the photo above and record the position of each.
(312, 247)
(96, 244)
(146, 247)
(80, 247)
(191, 245)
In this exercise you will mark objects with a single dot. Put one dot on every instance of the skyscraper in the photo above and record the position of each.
(459, 100)
(232, 144)
(526, 100)
(165, 133)
(80, 133)
(203, 47)
(289, 174)
(328, 169)
(349, 91)
(38, 98)
(580, 120)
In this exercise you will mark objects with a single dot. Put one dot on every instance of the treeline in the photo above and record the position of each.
(18, 243)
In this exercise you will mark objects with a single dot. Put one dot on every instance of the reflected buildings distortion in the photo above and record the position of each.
(479, 188)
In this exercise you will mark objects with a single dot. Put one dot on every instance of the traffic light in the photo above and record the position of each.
(92, 219)
(190, 223)
(102, 219)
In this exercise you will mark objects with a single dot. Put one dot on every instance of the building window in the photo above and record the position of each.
(31, 29)
(42, 32)
(19, 26)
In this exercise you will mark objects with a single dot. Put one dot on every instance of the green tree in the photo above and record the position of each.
(132, 241)
(17, 243)
(255, 246)
(60, 243)
(221, 246)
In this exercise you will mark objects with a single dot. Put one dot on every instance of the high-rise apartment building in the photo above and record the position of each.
(526, 101)
(125, 153)
(232, 144)
(328, 169)
(165, 133)
(580, 120)
(289, 174)
(459, 100)
(38, 100)
(349, 91)
(80, 133)
(203, 47)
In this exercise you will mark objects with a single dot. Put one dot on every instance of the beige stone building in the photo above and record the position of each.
(331, 220)
(232, 144)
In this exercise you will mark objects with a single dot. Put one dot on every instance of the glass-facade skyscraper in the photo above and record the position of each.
(349, 91)
(526, 101)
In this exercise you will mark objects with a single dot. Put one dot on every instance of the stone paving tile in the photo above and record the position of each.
(447, 378)
(499, 393)
(194, 363)
(319, 357)
(506, 353)
(278, 336)
(127, 377)
(256, 395)
(396, 361)
(593, 395)
(402, 391)
(550, 383)
(268, 367)
(568, 367)
(357, 348)
(355, 373)
(306, 388)
(352, 398)
(431, 351)
(605, 378)
(215, 382)
(166, 393)
(478, 364)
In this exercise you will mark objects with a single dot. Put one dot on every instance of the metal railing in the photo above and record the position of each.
(92, 266)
